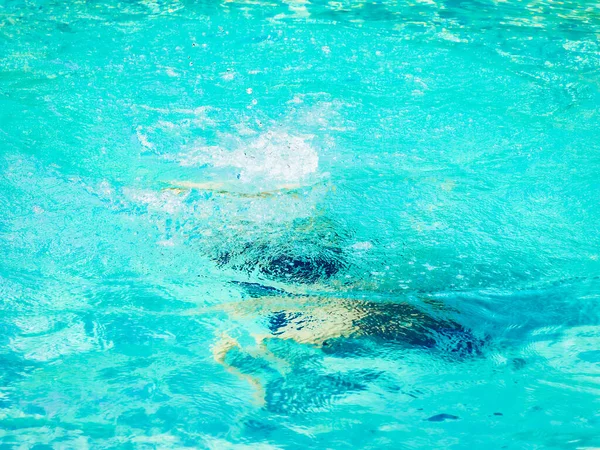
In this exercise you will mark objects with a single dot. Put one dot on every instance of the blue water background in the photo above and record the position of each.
(450, 149)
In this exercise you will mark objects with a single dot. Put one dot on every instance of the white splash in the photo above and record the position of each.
(273, 157)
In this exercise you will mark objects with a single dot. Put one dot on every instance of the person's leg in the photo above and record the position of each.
(220, 350)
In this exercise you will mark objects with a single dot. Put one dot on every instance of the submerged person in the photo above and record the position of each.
(271, 226)
(334, 325)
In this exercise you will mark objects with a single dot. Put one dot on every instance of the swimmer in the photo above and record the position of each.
(326, 323)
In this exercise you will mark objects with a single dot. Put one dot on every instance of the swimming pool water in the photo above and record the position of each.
(178, 175)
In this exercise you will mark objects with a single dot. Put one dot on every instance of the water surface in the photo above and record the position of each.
(160, 160)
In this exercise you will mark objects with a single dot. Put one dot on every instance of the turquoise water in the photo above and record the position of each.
(177, 175)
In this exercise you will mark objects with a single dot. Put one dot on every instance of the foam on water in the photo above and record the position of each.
(271, 159)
